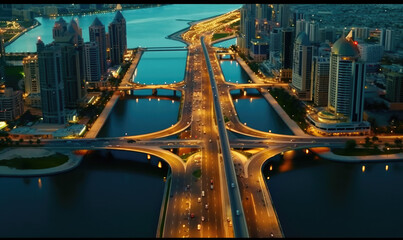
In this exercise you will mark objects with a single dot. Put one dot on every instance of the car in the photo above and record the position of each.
(237, 212)
(202, 193)
(117, 145)
(209, 140)
(233, 185)
(230, 223)
(198, 199)
(206, 206)
(202, 218)
(211, 181)
(198, 227)
(211, 187)
(192, 215)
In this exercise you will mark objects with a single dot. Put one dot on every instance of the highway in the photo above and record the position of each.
(206, 100)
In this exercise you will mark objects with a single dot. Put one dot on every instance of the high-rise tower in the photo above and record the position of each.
(97, 34)
(301, 70)
(117, 38)
(346, 81)
(50, 61)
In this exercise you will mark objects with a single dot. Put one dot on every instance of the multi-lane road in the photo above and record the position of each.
(199, 206)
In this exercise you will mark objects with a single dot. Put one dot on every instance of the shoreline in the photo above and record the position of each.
(15, 37)
(73, 162)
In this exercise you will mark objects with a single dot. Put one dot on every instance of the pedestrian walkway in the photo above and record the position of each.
(326, 153)
(282, 114)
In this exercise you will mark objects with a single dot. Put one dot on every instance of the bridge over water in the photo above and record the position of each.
(164, 49)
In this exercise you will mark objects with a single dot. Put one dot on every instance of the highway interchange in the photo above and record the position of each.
(184, 210)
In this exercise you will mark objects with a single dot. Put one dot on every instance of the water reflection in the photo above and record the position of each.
(315, 197)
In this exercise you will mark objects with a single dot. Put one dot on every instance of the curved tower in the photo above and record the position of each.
(346, 80)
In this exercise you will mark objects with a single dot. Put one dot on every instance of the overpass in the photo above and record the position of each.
(150, 49)
(239, 221)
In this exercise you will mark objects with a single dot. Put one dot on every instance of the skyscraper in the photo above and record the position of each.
(70, 42)
(314, 32)
(283, 17)
(299, 26)
(247, 29)
(97, 34)
(346, 81)
(50, 61)
(287, 47)
(117, 38)
(320, 80)
(59, 29)
(11, 105)
(31, 74)
(92, 64)
(389, 40)
(301, 70)
(394, 87)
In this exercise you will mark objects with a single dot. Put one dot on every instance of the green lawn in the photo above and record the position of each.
(363, 152)
(36, 163)
(219, 35)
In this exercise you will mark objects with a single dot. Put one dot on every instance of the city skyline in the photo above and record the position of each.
(89, 94)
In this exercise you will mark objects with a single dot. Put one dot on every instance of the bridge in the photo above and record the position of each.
(150, 49)
(239, 222)
(206, 98)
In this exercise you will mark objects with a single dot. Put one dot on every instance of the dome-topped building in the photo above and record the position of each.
(345, 48)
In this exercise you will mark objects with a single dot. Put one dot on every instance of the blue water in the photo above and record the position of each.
(233, 72)
(141, 116)
(316, 198)
(225, 43)
(258, 114)
(161, 67)
(146, 27)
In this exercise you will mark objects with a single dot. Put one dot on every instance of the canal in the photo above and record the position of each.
(316, 198)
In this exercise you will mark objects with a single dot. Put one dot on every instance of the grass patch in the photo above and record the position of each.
(219, 35)
(36, 163)
(363, 152)
(197, 173)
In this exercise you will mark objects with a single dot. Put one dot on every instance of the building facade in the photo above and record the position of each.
(92, 63)
(346, 81)
(320, 80)
(98, 35)
(301, 69)
(11, 105)
(50, 61)
(117, 39)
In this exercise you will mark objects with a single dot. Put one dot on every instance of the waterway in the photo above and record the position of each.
(135, 116)
(225, 43)
(233, 72)
(109, 194)
(161, 67)
(317, 198)
(147, 27)
(100, 198)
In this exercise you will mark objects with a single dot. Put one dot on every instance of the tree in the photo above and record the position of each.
(38, 141)
(30, 141)
(350, 144)
(375, 138)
